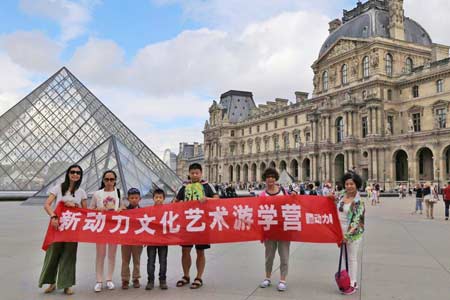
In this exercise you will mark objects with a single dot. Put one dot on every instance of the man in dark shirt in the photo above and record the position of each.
(194, 190)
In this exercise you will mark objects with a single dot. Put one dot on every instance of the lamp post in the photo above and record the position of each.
(439, 179)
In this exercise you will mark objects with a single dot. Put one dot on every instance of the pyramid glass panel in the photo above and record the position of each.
(110, 155)
(59, 123)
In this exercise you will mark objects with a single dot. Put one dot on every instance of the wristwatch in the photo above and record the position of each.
(54, 217)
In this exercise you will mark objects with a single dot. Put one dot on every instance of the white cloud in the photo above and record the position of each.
(100, 62)
(72, 16)
(433, 16)
(32, 50)
(14, 82)
(237, 14)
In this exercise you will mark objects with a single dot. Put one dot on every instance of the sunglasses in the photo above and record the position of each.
(109, 179)
(75, 172)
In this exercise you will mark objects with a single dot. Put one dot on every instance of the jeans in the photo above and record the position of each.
(353, 248)
(162, 257)
(419, 204)
(447, 206)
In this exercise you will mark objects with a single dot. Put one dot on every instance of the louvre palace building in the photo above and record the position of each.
(379, 107)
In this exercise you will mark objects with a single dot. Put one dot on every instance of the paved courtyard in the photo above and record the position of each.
(403, 256)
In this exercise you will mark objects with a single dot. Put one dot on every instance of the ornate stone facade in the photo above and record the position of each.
(380, 106)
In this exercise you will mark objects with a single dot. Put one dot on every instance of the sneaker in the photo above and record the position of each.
(110, 285)
(136, 284)
(282, 286)
(98, 287)
(150, 285)
(68, 291)
(349, 291)
(163, 285)
(125, 285)
(266, 283)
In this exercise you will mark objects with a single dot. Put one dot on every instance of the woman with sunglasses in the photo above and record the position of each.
(351, 214)
(60, 259)
(107, 198)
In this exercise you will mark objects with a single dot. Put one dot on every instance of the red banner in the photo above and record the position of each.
(292, 218)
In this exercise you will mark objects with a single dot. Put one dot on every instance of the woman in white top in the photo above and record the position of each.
(107, 198)
(271, 176)
(61, 257)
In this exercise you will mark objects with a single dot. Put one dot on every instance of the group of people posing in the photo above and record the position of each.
(60, 259)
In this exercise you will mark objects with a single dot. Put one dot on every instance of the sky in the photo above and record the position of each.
(159, 64)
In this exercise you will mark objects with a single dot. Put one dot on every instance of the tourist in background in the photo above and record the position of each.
(61, 257)
(107, 198)
(351, 214)
(430, 197)
(446, 194)
(419, 197)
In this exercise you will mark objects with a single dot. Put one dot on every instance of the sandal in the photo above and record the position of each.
(197, 283)
(68, 291)
(50, 288)
(184, 280)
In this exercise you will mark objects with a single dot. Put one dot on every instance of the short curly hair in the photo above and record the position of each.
(353, 176)
(270, 172)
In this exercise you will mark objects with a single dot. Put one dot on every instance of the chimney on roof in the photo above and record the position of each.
(301, 97)
(396, 19)
(333, 25)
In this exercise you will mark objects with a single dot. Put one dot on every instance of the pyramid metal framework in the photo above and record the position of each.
(58, 124)
(110, 155)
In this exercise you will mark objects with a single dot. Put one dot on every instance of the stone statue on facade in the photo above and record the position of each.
(355, 66)
(388, 130)
(375, 60)
(410, 125)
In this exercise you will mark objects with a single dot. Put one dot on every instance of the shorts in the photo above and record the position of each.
(197, 247)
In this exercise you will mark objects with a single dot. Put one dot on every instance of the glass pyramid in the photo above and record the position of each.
(110, 155)
(58, 124)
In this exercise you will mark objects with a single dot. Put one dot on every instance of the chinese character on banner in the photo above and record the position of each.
(194, 215)
(145, 223)
(327, 219)
(291, 215)
(317, 219)
(94, 222)
(167, 219)
(309, 218)
(218, 218)
(267, 215)
(69, 220)
(244, 217)
(119, 220)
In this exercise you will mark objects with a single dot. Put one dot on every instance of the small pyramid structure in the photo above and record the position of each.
(110, 155)
(58, 124)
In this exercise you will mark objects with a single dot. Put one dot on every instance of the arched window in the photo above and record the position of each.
(409, 65)
(339, 129)
(344, 71)
(389, 65)
(365, 66)
(325, 81)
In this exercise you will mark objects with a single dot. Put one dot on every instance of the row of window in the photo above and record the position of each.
(439, 88)
(366, 70)
(266, 126)
(276, 144)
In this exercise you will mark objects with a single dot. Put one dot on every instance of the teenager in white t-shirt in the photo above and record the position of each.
(107, 198)
(60, 258)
